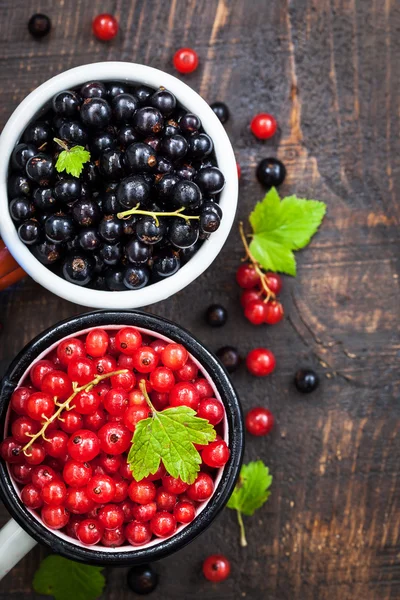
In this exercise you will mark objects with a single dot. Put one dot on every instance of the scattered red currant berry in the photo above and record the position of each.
(216, 568)
(263, 126)
(255, 312)
(239, 170)
(216, 454)
(185, 60)
(248, 296)
(259, 421)
(273, 312)
(247, 277)
(260, 362)
(105, 27)
(163, 524)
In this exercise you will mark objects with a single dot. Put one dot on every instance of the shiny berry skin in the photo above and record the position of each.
(271, 172)
(39, 25)
(142, 492)
(39, 370)
(263, 126)
(221, 110)
(86, 402)
(22, 429)
(90, 531)
(77, 474)
(137, 533)
(174, 485)
(247, 277)
(105, 27)
(54, 493)
(127, 507)
(72, 421)
(259, 421)
(125, 381)
(40, 405)
(273, 312)
(83, 445)
(230, 358)
(54, 517)
(22, 473)
(216, 454)
(211, 409)
(216, 568)
(184, 512)
(105, 364)
(95, 420)
(69, 349)
(158, 345)
(144, 512)
(165, 500)
(202, 488)
(19, 399)
(256, 312)
(56, 443)
(31, 496)
(163, 524)
(101, 489)
(185, 60)
(111, 463)
(248, 296)
(116, 401)
(114, 438)
(203, 388)
(145, 359)
(142, 579)
(72, 525)
(188, 372)
(78, 501)
(216, 315)
(97, 341)
(162, 379)
(121, 489)
(42, 475)
(260, 362)
(81, 370)
(112, 538)
(111, 516)
(184, 394)
(57, 384)
(125, 471)
(136, 398)
(161, 472)
(36, 455)
(174, 356)
(128, 340)
(134, 414)
(306, 381)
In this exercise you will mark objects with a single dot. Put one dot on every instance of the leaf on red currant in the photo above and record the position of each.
(169, 436)
(64, 579)
(281, 226)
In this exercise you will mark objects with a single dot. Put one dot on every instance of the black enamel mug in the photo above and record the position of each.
(20, 534)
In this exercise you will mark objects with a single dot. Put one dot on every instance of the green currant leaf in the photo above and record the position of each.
(72, 160)
(65, 579)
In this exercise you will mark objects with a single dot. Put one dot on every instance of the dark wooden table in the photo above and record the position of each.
(329, 71)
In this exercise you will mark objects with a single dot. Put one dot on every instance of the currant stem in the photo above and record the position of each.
(243, 541)
(61, 143)
(66, 405)
(143, 389)
(137, 211)
(263, 279)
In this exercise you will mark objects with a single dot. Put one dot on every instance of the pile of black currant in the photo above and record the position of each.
(144, 202)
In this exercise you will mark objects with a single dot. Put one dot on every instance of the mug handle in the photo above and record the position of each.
(14, 544)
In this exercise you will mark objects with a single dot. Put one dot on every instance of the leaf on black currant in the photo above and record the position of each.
(72, 160)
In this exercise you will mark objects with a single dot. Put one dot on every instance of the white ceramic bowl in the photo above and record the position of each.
(133, 74)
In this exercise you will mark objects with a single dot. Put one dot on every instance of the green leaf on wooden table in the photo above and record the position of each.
(65, 579)
(251, 492)
(169, 436)
(72, 159)
(281, 226)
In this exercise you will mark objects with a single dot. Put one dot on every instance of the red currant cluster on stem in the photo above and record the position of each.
(259, 298)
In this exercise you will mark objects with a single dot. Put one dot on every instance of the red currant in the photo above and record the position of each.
(247, 277)
(137, 533)
(101, 489)
(22, 473)
(127, 507)
(90, 531)
(111, 516)
(158, 345)
(188, 372)
(163, 524)
(239, 170)
(54, 493)
(72, 526)
(71, 421)
(165, 500)
(69, 349)
(259, 421)
(184, 512)
(174, 485)
(78, 501)
(96, 343)
(255, 312)
(23, 428)
(56, 443)
(162, 379)
(31, 496)
(121, 489)
(185, 60)
(105, 364)
(184, 394)
(77, 474)
(114, 438)
(39, 370)
(81, 370)
(216, 568)
(145, 359)
(144, 512)
(159, 400)
(134, 414)
(35, 454)
(19, 400)
(112, 348)
(263, 126)
(248, 296)
(42, 475)
(136, 398)
(11, 451)
(128, 340)
(105, 27)
(274, 282)
(95, 420)
(202, 488)
(142, 492)
(40, 406)
(273, 312)
(174, 356)
(260, 362)
(161, 472)
(126, 380)
(57, 384)
(216, 454)
(112, 538)
(116, 401)
(83, 445)
(203, 388)
(211, 409)
(54, 517)
(86, 402)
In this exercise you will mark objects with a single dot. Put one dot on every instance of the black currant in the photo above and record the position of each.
(133, 190)
(30, 232)
(181, 233)
(48, 253)
(186, 194)
(19, 185)
(124, 107)
(72, 132)
(221, 110)
(44, 199)
(166, 263)
(210, 180)
(164, 100)
(67, 190)
(189, 124)
(110, 229)
(138, 253)
(37, 133)
(129, 225)
(96, 113)
(142, 579)
(140, 157)
(104, 140)
(306, 380)
(89, 239)
(136, 277)
(174, 147)
(21, 209)
(216, 315)
(229, 357)
(115, 89)
(110, 165)
(148, 231)
(271, 172)
(59, 228)
(111, 254)
(164, 165)
(171, 128)
(127, 136)
(40, 169)
(93, 89)
(110, 204)
(21, 154)
(39, 25)
(148, 121)
(115, 279)
(153, 141)
(143, 93)
(73, 245)
(165, 186)
(186, 172)
(200, 145)
(67, 104)
(187, 253)
(90, 175)
(209, 221)
(78, 269)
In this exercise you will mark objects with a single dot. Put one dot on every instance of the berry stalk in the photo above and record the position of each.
(176, 213)
(243, 540)
(257, 267)
(66, 405)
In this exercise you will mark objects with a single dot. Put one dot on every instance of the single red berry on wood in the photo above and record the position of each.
(260, 362)
(259, 421)
(185, 60)
(105, 27)
(263, 126)
(216, 568)
(247, 277)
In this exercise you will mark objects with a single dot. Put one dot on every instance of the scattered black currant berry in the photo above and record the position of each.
(142, 579)
(229, 357)
(306, 380)
(216, 315)
(39, 25)
(221, 110)
(271, 172)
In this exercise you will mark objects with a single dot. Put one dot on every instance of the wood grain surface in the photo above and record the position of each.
(329, 71)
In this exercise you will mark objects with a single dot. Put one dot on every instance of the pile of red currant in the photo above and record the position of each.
(71, 427)
(259, 295)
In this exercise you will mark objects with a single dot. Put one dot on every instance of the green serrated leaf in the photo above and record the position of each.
(252, 489)
(65, 579)
(169, 435)
(72, 160)
(279, 227)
